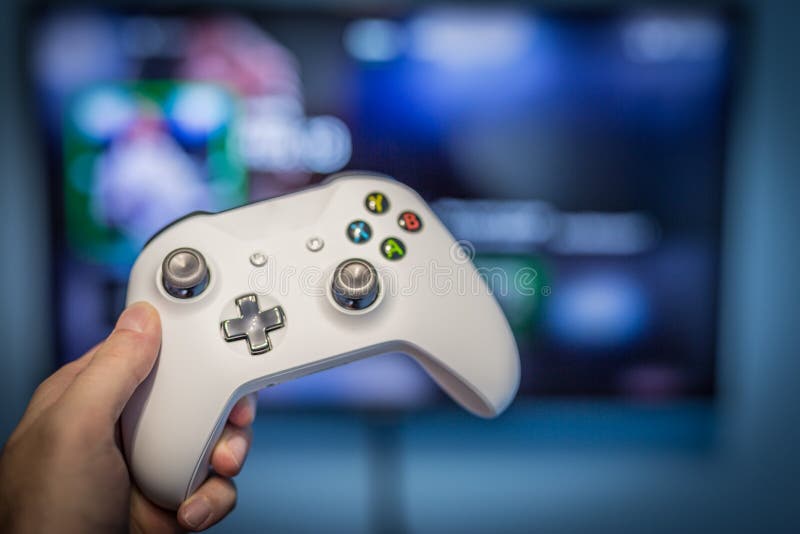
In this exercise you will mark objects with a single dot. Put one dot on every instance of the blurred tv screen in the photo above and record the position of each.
(583, 149)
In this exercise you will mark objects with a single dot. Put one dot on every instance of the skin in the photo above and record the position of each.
(62, 469)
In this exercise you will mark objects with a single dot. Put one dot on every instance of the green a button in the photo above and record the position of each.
(393, 249)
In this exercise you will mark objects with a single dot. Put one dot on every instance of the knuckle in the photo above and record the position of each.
(57, 430)
(127, 346)
(125, 338)
(41, 390)
(67, 432)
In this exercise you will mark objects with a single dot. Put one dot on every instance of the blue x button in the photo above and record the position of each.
(359, 232)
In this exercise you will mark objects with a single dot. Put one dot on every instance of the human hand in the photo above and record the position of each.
(62, 469)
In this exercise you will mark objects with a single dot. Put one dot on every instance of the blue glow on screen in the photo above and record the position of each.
(599, 310)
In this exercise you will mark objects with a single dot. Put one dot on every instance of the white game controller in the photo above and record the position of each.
(275, 290)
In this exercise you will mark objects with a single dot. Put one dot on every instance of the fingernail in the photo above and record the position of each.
(135, 317)
(238, 446)
(252, 400)
(196, 512)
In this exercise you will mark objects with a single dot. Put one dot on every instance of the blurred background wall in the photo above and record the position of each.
(551, 466)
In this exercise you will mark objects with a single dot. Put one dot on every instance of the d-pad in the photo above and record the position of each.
(253, 324)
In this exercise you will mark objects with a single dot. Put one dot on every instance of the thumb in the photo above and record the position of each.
(120, 364)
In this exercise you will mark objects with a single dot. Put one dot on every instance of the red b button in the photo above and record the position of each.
(410, 221)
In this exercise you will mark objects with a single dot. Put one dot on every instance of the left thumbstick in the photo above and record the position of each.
(184, 273)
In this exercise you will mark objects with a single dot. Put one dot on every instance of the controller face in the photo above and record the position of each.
(275, 290)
